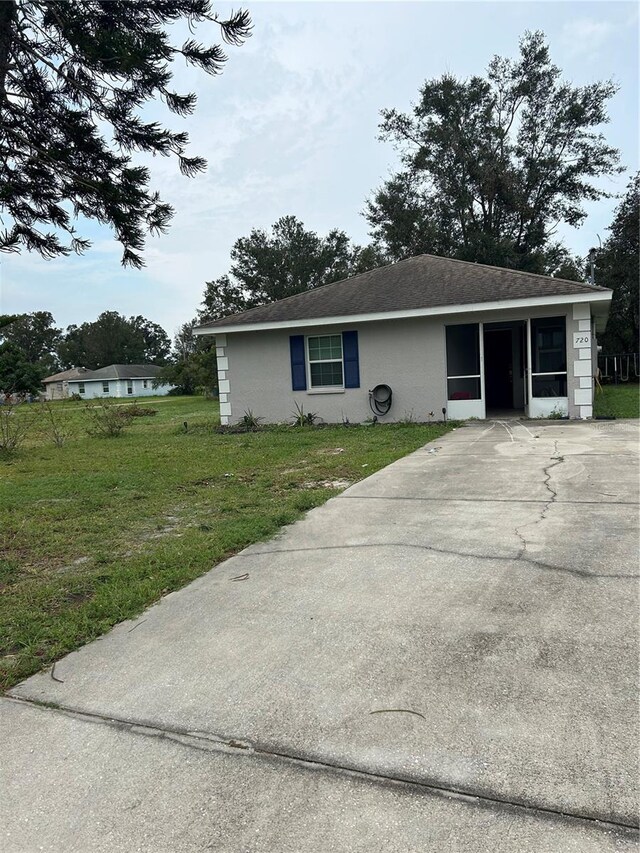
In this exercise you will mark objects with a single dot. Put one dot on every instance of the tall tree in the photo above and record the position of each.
(17, 374)
(491, 165)
(37, 336)
(185, 342)
(195, 374)
(618, 267)
(74, 81)
(288, 260)
(114, 339)
(192, 368)
(156, 345)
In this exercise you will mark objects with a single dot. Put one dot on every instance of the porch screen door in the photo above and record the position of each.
(464, 371)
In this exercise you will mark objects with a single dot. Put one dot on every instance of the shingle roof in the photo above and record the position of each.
(426, 281)
(121, 371)
(126, 371)
(74, 373)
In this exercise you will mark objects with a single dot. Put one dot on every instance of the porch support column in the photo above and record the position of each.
(579, 362)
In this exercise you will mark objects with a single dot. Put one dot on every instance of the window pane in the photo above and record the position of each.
(326, 373)
(463, 350)
(464, 389)
(548, 345)
(549, 386)
(314, 348)
(325, 347)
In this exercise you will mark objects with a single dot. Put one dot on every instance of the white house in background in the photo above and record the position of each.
(431, 334)
(116, 380)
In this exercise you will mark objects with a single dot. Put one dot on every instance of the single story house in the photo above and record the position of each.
(473, 340)
(56, 387)
(116, 380)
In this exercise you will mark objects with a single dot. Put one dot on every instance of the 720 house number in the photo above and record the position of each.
(582, 339)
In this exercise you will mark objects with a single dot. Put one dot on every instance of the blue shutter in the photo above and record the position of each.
(351, 361)
(298, 368)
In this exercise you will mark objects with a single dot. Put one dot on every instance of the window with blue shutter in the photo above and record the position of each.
(333, 361)
(298, 367)
(351, 359)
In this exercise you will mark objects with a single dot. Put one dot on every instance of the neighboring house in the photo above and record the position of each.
(116, 380)
(56, 387)
(471, 339)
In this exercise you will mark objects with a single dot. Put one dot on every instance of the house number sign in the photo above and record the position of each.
(581, 339)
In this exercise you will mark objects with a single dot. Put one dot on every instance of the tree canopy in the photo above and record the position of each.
(618, 267)
(114, 339)
(74, 81)
(37, 336)
(492, 165)
(267, 266)
(17, 374)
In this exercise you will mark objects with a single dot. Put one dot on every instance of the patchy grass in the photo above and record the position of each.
(619, 401)
(96, 530)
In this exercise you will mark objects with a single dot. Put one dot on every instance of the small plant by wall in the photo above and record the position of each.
(302, 418)
(250, 422)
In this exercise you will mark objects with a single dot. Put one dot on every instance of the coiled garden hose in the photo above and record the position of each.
(380, 399)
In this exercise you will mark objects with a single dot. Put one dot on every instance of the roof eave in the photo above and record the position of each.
(601, 296)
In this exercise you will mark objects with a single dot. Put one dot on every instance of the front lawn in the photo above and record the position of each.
(96, 530)
(618, 401)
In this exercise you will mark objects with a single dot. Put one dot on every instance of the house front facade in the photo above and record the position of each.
(418, 339)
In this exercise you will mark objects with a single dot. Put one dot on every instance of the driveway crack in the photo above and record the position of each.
(554, 461)
(447, 551)
(208, 741)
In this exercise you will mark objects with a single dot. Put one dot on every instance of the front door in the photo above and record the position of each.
(505, 363)
(498, 368)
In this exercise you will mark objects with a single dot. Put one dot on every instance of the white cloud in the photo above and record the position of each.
(586, 35)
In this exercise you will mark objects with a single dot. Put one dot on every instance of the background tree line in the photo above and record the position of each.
(490, 167)
(33, 347)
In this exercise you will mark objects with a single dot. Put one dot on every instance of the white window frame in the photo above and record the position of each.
(130, 387)
(81, 388)
(145, 383)
(326, 389)
(105, 390)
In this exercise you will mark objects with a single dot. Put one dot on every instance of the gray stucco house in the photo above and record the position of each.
(475, 340)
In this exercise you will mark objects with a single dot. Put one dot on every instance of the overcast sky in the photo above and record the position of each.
(291, 126)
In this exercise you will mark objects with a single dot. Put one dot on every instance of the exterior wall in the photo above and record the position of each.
(254, 370)
(56, 390)
(118, 388)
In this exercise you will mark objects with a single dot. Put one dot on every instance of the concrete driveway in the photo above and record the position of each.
(442, 658)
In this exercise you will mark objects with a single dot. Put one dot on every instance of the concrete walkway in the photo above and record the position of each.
(442, 658)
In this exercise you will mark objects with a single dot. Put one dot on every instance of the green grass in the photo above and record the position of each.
(96, 530)
(618, 401)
